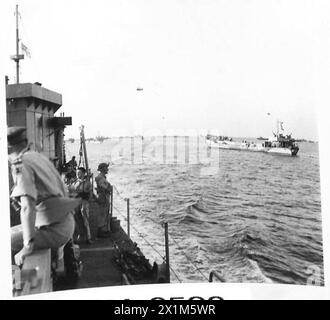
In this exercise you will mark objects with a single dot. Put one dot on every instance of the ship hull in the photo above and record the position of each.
(252, 147)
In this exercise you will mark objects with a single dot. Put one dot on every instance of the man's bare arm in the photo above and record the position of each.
(28, 217)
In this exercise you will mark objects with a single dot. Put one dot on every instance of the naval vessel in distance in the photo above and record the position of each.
(279, 144)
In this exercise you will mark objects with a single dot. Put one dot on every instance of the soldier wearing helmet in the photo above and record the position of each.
(103, 188)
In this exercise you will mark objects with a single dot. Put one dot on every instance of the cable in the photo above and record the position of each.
(118, 193)
(144, 238)
(171, 237)
(175, 274)
(189, 259)
(119, 213)
(141, 235)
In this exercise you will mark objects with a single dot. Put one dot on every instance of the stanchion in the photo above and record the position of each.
(167, 253)
(128, 222)
(111, 201)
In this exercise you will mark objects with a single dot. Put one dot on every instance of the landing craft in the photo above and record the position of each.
(279, 144)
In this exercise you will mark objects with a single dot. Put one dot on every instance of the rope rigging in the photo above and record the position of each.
(191, 262)
(141, 235)
(148, 243)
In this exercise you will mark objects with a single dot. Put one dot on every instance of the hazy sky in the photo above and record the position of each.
(203, 64)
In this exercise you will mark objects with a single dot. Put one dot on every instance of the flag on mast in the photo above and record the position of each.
(26, 50)
(281, 123)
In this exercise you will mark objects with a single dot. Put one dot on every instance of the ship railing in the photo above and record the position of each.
(168, 238)
(165, 258)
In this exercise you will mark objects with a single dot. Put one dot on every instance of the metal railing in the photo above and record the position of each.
(165, 258)
(213, 274)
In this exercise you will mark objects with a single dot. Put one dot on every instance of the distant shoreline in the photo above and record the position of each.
(101, 138)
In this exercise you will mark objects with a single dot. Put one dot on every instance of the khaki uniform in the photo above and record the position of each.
(103, 191)
(36, 177)
(83, 189)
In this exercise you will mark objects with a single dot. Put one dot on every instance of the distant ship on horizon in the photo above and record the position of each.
(279, 144)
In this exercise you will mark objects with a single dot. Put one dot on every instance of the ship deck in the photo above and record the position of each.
(100, 259)
(112, 261)
(99, 267)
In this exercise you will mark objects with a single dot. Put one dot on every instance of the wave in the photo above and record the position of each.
(239, 252)
(194, 214)
(248, 239)
(256, 272)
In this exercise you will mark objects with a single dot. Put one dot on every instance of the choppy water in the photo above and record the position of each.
(251, 216)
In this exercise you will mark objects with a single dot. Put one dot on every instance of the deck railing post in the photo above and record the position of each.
(110, 208)
(128, 218)
(167, 253)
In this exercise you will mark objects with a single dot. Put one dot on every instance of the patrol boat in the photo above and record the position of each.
(279, 144)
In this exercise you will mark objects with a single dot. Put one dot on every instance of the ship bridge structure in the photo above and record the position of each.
(34, 107)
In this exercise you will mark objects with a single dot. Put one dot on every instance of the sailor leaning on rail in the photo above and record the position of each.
(45, 210)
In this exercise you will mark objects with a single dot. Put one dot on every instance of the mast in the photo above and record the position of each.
(17, 57)
(83, 146)
(17, 46)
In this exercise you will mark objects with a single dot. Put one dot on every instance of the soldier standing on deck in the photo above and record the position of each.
(45, 210)
(83, 190)
(103, 188)
(73, 163)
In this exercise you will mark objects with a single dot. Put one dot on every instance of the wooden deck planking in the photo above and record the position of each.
(99, 269)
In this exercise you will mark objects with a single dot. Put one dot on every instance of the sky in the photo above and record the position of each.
(229, 66)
